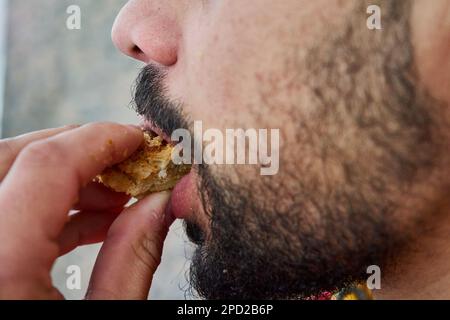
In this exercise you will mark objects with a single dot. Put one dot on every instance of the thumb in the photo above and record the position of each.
(132, 251)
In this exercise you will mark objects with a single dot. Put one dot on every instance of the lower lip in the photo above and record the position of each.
(182, 200)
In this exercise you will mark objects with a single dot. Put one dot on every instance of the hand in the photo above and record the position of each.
(46, 174)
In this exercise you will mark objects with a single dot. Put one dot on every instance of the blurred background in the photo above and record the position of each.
(52, 76)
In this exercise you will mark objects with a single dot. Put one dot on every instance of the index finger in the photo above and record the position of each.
(44, 182)
(10, 148)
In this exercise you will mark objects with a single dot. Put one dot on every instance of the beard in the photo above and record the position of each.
(367, 139)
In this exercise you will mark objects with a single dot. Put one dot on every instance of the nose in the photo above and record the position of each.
(148, 31)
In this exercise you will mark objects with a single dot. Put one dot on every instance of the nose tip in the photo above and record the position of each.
(150, 38)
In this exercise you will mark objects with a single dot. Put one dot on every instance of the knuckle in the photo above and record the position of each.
(6, 148)
(139, 237)
(7, 156)
(44, 153)
(147, 250)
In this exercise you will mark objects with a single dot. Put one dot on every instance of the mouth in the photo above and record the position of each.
(151, 127)
(183, 200)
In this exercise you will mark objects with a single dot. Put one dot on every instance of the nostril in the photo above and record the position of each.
(136, 50)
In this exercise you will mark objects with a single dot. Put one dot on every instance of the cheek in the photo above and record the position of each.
(216, 77)
(223, 60)
(237, 55)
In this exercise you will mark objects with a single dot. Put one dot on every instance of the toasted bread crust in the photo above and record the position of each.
(150, 169)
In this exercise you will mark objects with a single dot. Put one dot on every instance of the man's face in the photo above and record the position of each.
(357, 135)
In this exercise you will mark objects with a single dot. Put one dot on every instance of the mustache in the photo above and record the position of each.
(150, 101)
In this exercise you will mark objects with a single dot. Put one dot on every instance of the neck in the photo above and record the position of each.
(422, 271)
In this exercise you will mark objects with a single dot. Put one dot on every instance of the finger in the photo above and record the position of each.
(50, 173)
(132, 251)
(10, 148)
(97, 197)
(44, 182)
(86, 228)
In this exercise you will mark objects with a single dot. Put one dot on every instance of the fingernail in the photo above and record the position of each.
(156, 204)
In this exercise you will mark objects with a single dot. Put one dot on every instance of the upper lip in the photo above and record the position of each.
(149, 125)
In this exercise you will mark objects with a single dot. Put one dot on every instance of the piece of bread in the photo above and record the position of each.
(150, 169)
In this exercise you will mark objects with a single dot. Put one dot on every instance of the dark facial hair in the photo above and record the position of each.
(258, 247)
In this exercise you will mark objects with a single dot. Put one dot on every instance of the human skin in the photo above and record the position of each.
(46, 177)
(235, 64)
(224, 60)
